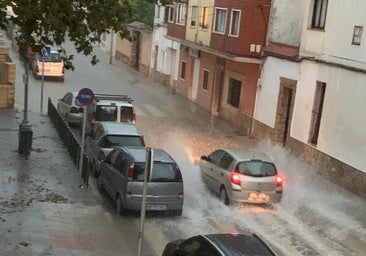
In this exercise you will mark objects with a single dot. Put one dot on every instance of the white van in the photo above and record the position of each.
(54, 67)
(109, 107)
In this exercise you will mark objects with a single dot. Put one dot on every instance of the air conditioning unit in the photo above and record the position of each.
(252, 48)
(258, 48)
(194, 52)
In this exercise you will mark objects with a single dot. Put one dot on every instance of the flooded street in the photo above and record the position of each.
(314, 217)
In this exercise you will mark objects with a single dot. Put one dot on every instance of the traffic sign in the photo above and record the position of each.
(85, 96)
(45, 53)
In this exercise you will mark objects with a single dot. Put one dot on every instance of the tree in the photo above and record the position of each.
(142, 11)
(50, 22)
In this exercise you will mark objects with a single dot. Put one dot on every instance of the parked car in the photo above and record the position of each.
(53, 66)
(241, 176)
(122, 176)
(106, 135)
(70, 108)
(109, 107)
(244, 244)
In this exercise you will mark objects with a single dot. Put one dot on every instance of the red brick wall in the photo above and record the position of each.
(251, 73)
(207, 61)
(184, 56)
(177, 31)
(253, 26)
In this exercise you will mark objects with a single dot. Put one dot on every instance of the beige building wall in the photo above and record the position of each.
(198, 33)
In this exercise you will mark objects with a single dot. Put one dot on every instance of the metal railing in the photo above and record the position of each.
(68, 138)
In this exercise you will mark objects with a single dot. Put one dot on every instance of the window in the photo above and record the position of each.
(171, 13)
(181, 14)
(357, 34)
(183, 70)
(317, 113)
(319, 14)
(194, 16)
(235, 22)
(205, 79)
(220, 20)
(234, 92)
(166, 14)
(157, 11)
(204, 22)
(225, 161)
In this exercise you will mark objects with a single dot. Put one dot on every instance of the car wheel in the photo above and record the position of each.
(100, 183)
(223, 196)
(121, 210)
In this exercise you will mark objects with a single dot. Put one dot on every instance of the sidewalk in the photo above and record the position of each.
(48, 177)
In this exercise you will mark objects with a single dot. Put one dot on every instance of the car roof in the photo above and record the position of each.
(116, 102)
(119, 128)
(243, 243)
(242, 154)
(139, 154)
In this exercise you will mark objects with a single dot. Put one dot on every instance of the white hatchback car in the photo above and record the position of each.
(241, 176)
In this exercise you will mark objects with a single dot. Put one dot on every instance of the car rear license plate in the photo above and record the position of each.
(158, 207)
(258, 197)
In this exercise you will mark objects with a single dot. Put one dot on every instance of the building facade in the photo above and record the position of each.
(313, 90)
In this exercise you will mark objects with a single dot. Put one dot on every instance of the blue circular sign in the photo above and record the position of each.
(85, 96)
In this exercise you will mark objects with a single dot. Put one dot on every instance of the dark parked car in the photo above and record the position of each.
(244, 244)
(122, 177)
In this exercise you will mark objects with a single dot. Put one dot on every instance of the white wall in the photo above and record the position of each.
(267, 96)
(286, 21)
(335, 42)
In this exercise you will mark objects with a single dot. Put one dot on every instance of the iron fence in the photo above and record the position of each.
(68, 138)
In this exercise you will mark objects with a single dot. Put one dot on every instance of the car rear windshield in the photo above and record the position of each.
(106, 113)
(121, 140)
(257, 168)
(126, 114)
(161, 172)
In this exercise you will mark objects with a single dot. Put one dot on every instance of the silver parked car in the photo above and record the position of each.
(70, 108)
(241, 176)
(106, 135)
(122, 177)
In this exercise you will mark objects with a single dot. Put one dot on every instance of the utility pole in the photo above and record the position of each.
(25, 129)
(111, 56)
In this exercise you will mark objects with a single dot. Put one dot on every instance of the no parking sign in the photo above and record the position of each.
(85, 96)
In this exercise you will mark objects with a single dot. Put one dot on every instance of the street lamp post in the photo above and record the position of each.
(25, 129)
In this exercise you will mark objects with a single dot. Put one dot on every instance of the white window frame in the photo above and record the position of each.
(217, 18)
(181, 14)
(231, 23)
(171, 13)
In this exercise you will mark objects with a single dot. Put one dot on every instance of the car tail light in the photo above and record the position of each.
(134, 118)
(235, 178)
(101, 156)
(130, 172)
(74, 110)
(279, 181)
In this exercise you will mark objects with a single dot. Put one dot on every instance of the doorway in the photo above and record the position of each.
(285, 105)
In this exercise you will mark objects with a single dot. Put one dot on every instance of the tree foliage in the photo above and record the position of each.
(50, 22)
